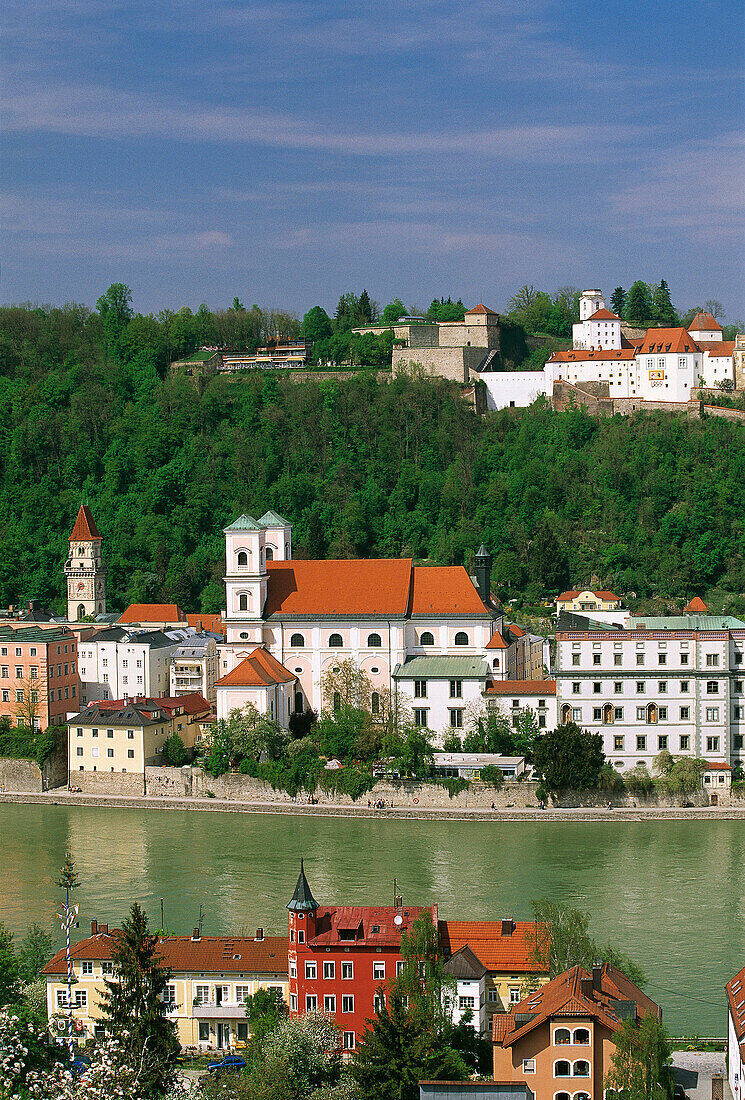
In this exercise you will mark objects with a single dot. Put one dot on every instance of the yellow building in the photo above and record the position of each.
(587, 600)
(211, 978)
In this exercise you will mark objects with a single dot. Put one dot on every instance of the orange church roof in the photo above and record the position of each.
(499, 945)
(153, 613)
(604, 315)
(667, 340)
(444, 590)
(85, 526)
(208, 621)
(259, 669)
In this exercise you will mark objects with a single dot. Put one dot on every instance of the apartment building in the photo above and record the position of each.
(559, 1041)
(513, 697)
(736, 1032)
(211, 977)
(39, 677)
(673, 682)
(123, 662)
(194, 667)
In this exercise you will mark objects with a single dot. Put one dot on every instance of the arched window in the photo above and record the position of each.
(608, 714)
(566, 714)
(582, 1036)
(461, 638)
(297, 641)
(337, 702)
(581, 1096)
(269, 554)
(582, 1068)
(298, 702)
(562, 1096)
(495, 663)
(562, 1068)
(81, 610)
(336, 640)
(243, 602)
(562, 1035)
(426, 638)
(242, 559)
(373, 641)
(652, 713)
(375, 703)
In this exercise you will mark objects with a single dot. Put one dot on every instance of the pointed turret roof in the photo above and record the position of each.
(482, 552)
(243, 523)
(271, 519)
(481, 308)
(302, 900)
(696, 607)
(85, 526)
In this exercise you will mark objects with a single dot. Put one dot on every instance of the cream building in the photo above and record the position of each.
(210, 979)
(587, 599)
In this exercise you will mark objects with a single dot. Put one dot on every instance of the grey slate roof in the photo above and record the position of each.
(686, 622)
(466, 965)
(302, 900)
(443, 668)
(129, 715)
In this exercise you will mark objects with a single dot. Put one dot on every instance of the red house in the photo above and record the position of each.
(341, 958)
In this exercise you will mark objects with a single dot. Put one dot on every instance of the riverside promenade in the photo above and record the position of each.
(62, 797)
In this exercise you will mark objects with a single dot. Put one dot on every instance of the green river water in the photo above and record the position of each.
(670, 893)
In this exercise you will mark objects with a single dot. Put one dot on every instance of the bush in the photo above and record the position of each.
(22, 743)
(453, 785)
(174, 751)
(492, 776)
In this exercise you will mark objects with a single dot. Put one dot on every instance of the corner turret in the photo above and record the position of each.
(302, 900)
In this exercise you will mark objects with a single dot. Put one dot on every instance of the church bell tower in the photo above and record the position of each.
(84, 569)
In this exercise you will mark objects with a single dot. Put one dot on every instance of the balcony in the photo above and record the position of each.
(228, 1010)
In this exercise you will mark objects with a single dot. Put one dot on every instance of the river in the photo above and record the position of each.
(669, 893)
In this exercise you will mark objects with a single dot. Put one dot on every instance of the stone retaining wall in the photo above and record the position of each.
(20, 775)
(115, 783)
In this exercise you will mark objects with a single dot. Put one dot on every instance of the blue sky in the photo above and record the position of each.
(289, 150)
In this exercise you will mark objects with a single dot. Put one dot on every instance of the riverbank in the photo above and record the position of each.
(304, 809)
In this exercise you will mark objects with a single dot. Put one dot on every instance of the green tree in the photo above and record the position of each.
(393, 311)
(560, 939)
(399, 1050)
(641, 1061)
(37, 948)
(10, 978)
(618, 302)
(297, 1060)
(115, 310)
(132, 1005)
(663, 311)
(265, 1009)
(174, 751)
(639, 304)
(317, 324)
(569, 758)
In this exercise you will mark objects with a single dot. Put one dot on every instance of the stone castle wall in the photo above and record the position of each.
(20, 775)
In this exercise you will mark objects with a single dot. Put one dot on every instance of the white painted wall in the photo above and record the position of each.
(518, 389)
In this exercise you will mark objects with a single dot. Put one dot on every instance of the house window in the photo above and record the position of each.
(347, 1002)
(329, 970)
(712, 744)
(641, 714)
(79, 750)
(310, 969)
(130, 754)
(575, 659)
(662, 714)
(662, 686)
(297, 641)
(618, 743)
(86, 968)
(329, 1004)
(109, 752)
(241, 1031)
(641, 743)
(348, 1039)
(662, 658)
(562, 1068)
(641, 687)
(243, 602)
(618, 714)
(347, 971)
(582, 1068)
(712, 687)
(597, 714)
(293, 1002)
(375, 703)
(662, 742)
(311, 1002)
(420, 718)
(617, 659)
(204, 1031)
(617, 687)
(379, 1002)
(374, 641)
(466, 1002)
(712, 714)
(107, 969)
(562, 1036)
(169, 995)
(684, 658)
(712, 660)
(581, 1037)
(378, 971)
(456, 689)
(336, 641)
(461, 638)
(456, 719)
(426, 638)
(685, 742)
(596, 658)
(684, 687)
(576, 687)
(640, 658)
(576, 714)
(420, 689)
(596, 687)
(514, 995)
(685, 714)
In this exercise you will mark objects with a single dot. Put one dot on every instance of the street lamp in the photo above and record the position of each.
(68, 880)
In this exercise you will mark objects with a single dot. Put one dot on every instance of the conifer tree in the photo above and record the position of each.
(663, 310)
(133, 1009)
(638, 303)
(618, 301)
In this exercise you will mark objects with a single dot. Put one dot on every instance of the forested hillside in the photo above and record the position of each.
(653, 504)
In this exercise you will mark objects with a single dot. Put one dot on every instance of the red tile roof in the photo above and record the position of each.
(85, 526)
(497, 642)
(704, 322)
(696, 606)
(518, 631)
(361, 920)
(572, 994)
(210, 954)
(582, 356)
(210, 622)
(444, 590)
(603, 315)
(736, 1001)
(602, 594)
(663, 341)
(481, 308)
(497, 951)
(520, 687)
(717, 348)
(259, 669)
(153, 613)
(353, 588)
(718, 766)
(193, 703)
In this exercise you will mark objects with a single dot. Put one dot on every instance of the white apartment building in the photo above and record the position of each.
(194, 667)
(675, 683)
(469, 975)
(118, 663)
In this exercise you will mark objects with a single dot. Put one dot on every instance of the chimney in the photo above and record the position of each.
(195, 934)
(259, 935)
(94, 927)
(597, 975)
(483, 574)
(508, 926)
(104, 928)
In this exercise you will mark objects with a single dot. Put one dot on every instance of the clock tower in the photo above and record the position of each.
(84, 569)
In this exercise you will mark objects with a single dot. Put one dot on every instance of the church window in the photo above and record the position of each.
(337, 702)
(461, 638)
(269, 554)
(336, 640)
(373, 641)
(243, 601)
(242, 559)
(427, 638)
(375, 703)
(297, 641)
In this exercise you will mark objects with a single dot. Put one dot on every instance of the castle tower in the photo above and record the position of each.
(84, 569)
(246, 581)
(590, 302)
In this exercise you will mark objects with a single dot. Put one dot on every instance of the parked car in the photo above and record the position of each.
(231, 1063)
